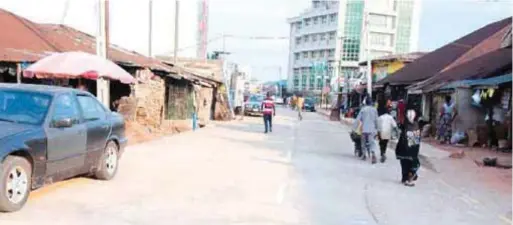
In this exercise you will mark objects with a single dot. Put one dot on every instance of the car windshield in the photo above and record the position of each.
(23, 107)
(256, 98)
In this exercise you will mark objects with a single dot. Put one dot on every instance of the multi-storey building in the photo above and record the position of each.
(329, 39)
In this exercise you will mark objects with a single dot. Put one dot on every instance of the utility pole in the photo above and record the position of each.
(367, 43)
(177, 29)
(150, 27)
(102, 43)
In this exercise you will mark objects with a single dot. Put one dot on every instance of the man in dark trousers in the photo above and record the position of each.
(269, 111)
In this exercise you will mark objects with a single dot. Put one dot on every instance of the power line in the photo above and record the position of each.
(224, 36)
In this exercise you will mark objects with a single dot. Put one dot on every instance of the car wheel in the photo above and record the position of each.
(108, 164)
(15, 183)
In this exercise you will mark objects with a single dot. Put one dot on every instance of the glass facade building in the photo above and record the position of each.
(334, 33)
(351, 40)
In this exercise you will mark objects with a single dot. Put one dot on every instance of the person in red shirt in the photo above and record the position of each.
(269, 111)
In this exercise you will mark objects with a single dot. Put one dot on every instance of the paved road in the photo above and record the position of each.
(303, 173)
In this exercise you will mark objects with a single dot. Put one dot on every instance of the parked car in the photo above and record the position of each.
(52, 133)
(309, 105)
(254, 105)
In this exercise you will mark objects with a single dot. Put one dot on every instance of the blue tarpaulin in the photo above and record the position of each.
(492, 81)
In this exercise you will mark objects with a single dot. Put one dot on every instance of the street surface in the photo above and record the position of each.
(303, 173)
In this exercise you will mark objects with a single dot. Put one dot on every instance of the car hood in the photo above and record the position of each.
(9, 129)
(253, 103)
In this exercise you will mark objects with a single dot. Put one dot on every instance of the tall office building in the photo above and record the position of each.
(329, 39)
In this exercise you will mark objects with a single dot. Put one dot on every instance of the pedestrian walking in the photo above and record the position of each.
(407, 149)
(447, 115)
(300, 104)
(368, 117)
(386, 125)
(269, 111)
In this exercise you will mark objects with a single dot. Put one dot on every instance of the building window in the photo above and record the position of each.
(298, 40)
(313, 54)
(316, 20)
(305, 55)
(332, 36)
(316, 4)
(314, 37)
(379, 21)
(296, 83)
(323, 37)
(324, 19)
(331, 53)
(306, 38)
(296, 56)
(321, 54)
(298, 25)
(379, 39)
(333, 17)
(307, 22)
(296, 72)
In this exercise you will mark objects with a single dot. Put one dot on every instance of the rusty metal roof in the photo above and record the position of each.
(26, 41)
(403, 57)
(454, 54)
(21, 40)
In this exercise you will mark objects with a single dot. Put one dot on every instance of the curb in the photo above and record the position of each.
(425, 160)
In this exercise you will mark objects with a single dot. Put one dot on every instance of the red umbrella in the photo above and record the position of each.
(77, 65)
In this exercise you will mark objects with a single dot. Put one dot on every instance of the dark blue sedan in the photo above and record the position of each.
(51, 133)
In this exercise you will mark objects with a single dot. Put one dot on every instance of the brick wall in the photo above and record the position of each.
(149, 95)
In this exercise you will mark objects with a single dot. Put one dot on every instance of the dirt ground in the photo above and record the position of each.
(138, 133)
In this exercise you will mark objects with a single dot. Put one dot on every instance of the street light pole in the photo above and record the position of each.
(177, 30)
(369, 66)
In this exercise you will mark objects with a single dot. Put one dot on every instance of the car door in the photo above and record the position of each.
(97, 124)
(66, 145)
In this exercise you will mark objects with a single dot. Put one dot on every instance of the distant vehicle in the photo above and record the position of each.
(309, 105)
(254, 105)
(52, 133)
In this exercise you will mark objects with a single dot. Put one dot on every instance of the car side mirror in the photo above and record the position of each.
(63, 123)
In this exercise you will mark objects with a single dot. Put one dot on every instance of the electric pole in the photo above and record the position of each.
(150, 27)
(177, 28)
(102, 43)
(367, 43)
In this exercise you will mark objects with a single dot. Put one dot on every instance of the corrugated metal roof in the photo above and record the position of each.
(435, 61)
(26, 41)
(403, 57)
(487, 65)
(70, 39)
(20, 39)
(492, 81)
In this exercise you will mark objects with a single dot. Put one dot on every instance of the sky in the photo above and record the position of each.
(442, 21)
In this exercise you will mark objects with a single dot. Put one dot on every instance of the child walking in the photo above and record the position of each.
(386, 125)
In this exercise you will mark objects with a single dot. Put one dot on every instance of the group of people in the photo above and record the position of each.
(368, 127)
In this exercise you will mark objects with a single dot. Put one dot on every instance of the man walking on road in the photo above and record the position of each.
(368, 117)
(269, 111)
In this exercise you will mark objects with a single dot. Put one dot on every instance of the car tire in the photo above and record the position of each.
(109, 162)
(17, 173)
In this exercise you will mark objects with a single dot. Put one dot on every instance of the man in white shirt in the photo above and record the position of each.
(386, 125)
